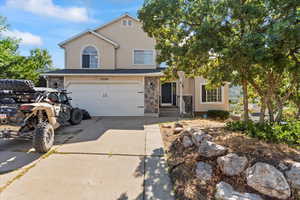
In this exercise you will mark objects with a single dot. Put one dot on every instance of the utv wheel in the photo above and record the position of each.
(43, 138)
(76, 116)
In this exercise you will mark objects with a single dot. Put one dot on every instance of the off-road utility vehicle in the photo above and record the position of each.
(27, 112)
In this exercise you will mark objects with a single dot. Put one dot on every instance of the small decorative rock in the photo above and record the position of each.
(204, 172)
(293, 175)
(267, 180)
(191, 130)
(177, 130)
(166, 126)
(177, 124)
(226, 192)
(232, 164)
(282, 166)
(199, 137)
(209, 149)
(186, 141)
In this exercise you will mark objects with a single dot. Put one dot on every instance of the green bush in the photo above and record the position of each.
(288, 132)
(218, 114)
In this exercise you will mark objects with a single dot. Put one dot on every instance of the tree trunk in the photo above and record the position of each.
(245, 100)
(262, 111)
(270, 110)
(298, 114)
(279, 113)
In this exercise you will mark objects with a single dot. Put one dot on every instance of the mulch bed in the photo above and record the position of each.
(182, 161)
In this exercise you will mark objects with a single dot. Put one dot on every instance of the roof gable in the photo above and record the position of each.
(99, 35)
(116, 20)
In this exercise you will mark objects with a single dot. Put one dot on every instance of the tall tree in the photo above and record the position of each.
(13, 65)
(229, 40)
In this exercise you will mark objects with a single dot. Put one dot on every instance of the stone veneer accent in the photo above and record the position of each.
(55, 82)
(151, 94)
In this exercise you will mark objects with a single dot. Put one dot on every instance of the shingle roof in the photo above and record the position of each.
(104, 71)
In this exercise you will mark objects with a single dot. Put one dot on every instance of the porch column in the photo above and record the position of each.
(181, 79)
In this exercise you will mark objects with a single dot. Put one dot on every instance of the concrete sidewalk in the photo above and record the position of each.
(109, 158)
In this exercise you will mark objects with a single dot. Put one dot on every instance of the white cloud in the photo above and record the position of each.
(48, 8)
(26, 37)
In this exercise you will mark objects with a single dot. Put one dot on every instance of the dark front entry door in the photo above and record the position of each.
(166, 93)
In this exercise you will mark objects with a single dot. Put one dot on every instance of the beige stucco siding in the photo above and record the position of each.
(188, 87)
(203, 107)
(73, 50)
(129, 38)
(102, 79)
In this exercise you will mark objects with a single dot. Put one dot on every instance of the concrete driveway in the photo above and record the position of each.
(102, 158)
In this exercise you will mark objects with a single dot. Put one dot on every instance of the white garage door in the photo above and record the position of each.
(126, 99)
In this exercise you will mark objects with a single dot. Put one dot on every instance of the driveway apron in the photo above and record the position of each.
(113, 158)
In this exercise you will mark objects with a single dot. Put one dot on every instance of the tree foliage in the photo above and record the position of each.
(250, 43)
(15, 66)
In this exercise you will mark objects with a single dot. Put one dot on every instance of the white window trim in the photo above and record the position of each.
(153, 59)
(81, 51)
(127, 24)
(217, 102)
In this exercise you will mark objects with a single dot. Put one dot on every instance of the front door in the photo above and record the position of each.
(166, 94)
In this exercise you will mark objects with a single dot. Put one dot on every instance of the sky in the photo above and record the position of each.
(45, 23)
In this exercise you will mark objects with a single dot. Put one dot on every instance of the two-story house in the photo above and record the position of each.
(112, 71)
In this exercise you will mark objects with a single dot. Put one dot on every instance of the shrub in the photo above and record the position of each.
(218, 114)
(288, 132)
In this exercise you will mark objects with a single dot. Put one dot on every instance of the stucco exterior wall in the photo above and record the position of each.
(188, 87)
(104, 79)
(204, 107)
(73, 52)
(129, 38)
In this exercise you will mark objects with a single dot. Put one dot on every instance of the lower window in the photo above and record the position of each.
(211, 96)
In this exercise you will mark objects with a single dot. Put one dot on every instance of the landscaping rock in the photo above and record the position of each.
(186, 141)
(224, 191)
(191, 130)
(177, 124)
(293, 176)
(232, 164)
(267, 180)
(209, 149)
(282, 166)
(178, 130)
(199, 137)
(166, 126)
(204, 172)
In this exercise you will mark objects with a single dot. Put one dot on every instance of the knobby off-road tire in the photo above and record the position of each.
(76, 116)
(43, 138)
(16, 85)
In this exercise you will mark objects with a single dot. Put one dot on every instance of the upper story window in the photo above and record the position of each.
(90, 57)
(211, 96)
(127, 22)
(143, 57)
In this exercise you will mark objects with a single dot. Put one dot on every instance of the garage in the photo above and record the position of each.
(109, 99)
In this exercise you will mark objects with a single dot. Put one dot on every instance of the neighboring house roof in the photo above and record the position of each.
(116, 45)
(106, 72)
(99, 35)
